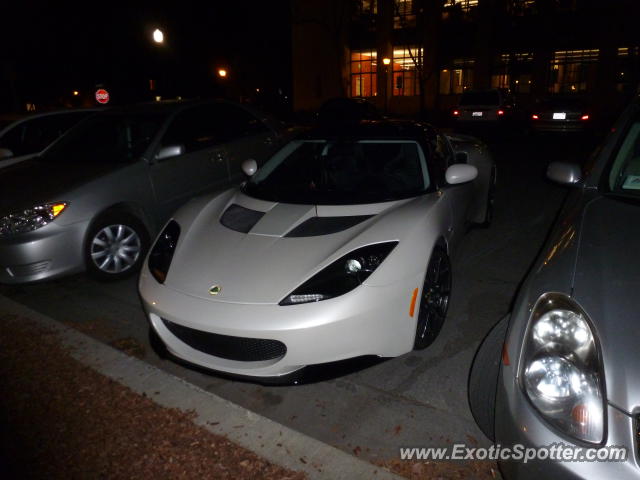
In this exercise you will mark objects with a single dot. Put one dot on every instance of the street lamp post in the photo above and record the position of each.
(386, 61)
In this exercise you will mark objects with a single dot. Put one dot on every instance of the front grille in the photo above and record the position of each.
(228, 347)
(28, 270)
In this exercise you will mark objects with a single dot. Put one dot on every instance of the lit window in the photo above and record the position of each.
(364, 73)
(465, 5)
(458, 78)
(627, 60)
(367, 7)
(512, 71)
(407, 63)
(404, 14)
(521, 7)
(573, 70)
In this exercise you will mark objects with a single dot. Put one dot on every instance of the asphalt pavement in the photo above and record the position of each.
(369, 409)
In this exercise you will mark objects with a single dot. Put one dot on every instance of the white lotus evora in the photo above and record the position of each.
(337, 247)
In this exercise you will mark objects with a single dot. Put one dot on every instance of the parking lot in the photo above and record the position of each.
(370, 408)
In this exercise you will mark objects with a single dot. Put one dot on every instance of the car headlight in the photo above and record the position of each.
(162, 252)
(30, 219)
(341, 276)
(561, 369)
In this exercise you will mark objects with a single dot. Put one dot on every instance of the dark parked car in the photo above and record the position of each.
(561, 114)
(484, 107)
(347, 110)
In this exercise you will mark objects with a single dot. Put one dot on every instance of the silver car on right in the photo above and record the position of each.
(567, 357)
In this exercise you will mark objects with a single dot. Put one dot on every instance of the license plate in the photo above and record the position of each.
(559, 116)
(476, 114)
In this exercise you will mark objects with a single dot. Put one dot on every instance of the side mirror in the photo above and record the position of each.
(5, 153)
(461, 157)
(564, 173)
(169, 151)
(460, 173)
(250, 167)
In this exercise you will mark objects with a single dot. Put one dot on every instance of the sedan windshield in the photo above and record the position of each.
(624, 177)
(107, 138)
(327, 172)
(490, 97)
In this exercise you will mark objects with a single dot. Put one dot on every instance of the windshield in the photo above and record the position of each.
(569, 103)
(480, 98)
(107, 138)
(342, 172)
(625, 171)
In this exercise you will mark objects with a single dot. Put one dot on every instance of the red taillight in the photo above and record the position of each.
(456, 113)
(500, 112)
(534, 116)
(584, 117)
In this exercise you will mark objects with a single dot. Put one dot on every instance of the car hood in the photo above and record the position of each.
(266, 264)
(606, 284)
(34, 181)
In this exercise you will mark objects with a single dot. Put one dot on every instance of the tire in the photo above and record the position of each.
(488, 215)
(115, 247)
(434, 299)
(483, 378)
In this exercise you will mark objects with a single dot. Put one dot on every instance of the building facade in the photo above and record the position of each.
(417, 56)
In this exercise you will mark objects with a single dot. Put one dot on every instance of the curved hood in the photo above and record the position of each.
(268, 262)
(36, 181)
(607, 285)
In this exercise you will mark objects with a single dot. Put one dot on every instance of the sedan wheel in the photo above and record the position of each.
(434, 301)
(116, 248)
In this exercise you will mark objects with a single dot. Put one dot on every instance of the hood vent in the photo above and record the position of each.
(240, 219)
(317, 226)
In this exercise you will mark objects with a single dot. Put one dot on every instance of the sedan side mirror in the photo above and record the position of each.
(460, 173)
(169, 151)
(5, 153)
(564, 173)
(250, 167)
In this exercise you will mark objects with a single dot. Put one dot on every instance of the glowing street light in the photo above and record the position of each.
(386, 60)
(222, 72)
(158, 36)
(76, 93)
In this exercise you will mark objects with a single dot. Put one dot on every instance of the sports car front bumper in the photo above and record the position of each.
(366, 321)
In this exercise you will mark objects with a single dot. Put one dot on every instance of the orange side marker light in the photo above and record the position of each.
(414, 297)
(505, 355)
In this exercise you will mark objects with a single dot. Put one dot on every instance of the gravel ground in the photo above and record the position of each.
(61, 419)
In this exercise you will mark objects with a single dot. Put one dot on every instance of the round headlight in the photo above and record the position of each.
(561, 368)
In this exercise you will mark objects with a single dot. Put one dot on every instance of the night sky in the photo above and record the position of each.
(51, 48)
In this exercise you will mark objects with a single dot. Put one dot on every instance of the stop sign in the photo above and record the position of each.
(102, 96)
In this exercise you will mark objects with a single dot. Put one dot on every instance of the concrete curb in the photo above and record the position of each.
(271, 440)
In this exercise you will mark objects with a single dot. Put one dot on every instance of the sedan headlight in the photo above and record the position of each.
(30, 218)
(561, 369)
(341, 276)
(162, 252)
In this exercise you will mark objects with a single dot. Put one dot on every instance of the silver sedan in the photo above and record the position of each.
(93, 199)
(564, 362)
